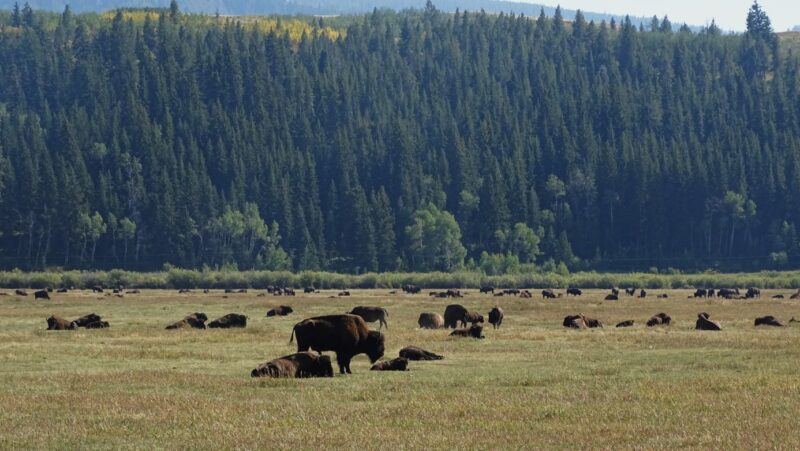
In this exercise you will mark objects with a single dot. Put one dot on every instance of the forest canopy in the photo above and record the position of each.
(419, 140)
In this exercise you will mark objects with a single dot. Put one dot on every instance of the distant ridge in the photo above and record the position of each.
(317, 7)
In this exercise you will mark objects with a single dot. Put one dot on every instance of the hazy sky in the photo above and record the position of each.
(729, 14)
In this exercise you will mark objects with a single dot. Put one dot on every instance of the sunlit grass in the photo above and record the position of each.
(531, 384)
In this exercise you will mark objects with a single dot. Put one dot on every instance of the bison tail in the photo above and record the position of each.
(291, 339)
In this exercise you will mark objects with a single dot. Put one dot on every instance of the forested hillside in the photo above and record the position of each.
(415, 141)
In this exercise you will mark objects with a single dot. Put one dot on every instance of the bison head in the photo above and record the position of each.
(375, 346)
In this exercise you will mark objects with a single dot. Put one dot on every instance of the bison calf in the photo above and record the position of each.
(496, 317)
(301, 364)
(372, 314)
(397, 364)
(415, 353)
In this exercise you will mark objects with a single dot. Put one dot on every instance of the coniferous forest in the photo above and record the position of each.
(395, 141)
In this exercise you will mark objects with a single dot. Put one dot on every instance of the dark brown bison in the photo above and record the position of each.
(411, 289)
(415, 353)
(612, 297)
(430, 321)
(228, 321)
(574, 292)
(661, 319)
(346, 335)
(396, 364)
(496, 317)
(85, 320)
(701, 293)
(344, 293)
(301, 364)
(627, 323)
(704, 323)
(663, 296)
(580, 321)
(20, 292)
(642, 293)
(630, 291)
(472, 318)
(752, 293)
(778, 296)
(98, 325)
(62, 290)
(59, 323)
(454, 314)
(615, 291)
(194, 321)
(372, 314)
(769, 320)
(41, 294)
(487, 289)
(474, 332)
(795, 296)
(282, 310)
(97, 289)
(309, 290)
(548, 294)
(525, 294)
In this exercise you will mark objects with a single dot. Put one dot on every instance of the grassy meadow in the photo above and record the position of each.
(530, 384)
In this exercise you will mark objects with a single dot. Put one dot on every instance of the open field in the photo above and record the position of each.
(531, 384)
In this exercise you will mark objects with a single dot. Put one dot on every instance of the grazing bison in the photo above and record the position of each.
(548, 294)
(194, 321)
(574, 292)
(701, 293)
(346, 335)
(396, 364)
(430, 321)
(525, 294)
(41, 294)
(228, 321)
(627, 323)
(372, 314)
(97, 289)
(453, 314)
(753, 293)
(62, 290)
(487, 289)
(704, 323)
(98, 325)
(612, 297)
(301, 364)
(472, 317)
(475, 332)
(496, 317)
(411, 289)
(415, 353)
(661, 319)
(59, 323)
(769, 320)
(309, 290)
(85, 320)
(282, 310)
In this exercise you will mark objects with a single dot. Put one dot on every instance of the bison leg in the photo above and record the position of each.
(383, 323)
(344, 363)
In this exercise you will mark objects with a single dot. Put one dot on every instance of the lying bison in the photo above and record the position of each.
(98, 325)
(372, 314)
(59, 323)
(580, 321)
(628, 323)
(496, 317)
(346, 335)
(704, 323)
(454, 314)
(474, 332)
(85, 320)
(612, 297)
(661, 319)
(194, 321)
(415, 353)
(228, 321)
(282, 310)
(430, 320)
(768, 320)
(302, 364)
(397, 364)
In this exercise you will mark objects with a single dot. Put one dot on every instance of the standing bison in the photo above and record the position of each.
(41, 294)
(302, 364)
(372, 314)
(346, 335)
(454, 314)
(430, 320)
(574, 292)
(496, 317)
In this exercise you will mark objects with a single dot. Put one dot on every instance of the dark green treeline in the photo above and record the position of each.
(170, 140)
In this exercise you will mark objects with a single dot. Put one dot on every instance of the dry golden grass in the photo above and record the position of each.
(531, 384)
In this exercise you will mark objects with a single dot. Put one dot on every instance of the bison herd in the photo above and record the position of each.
(347, 335)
